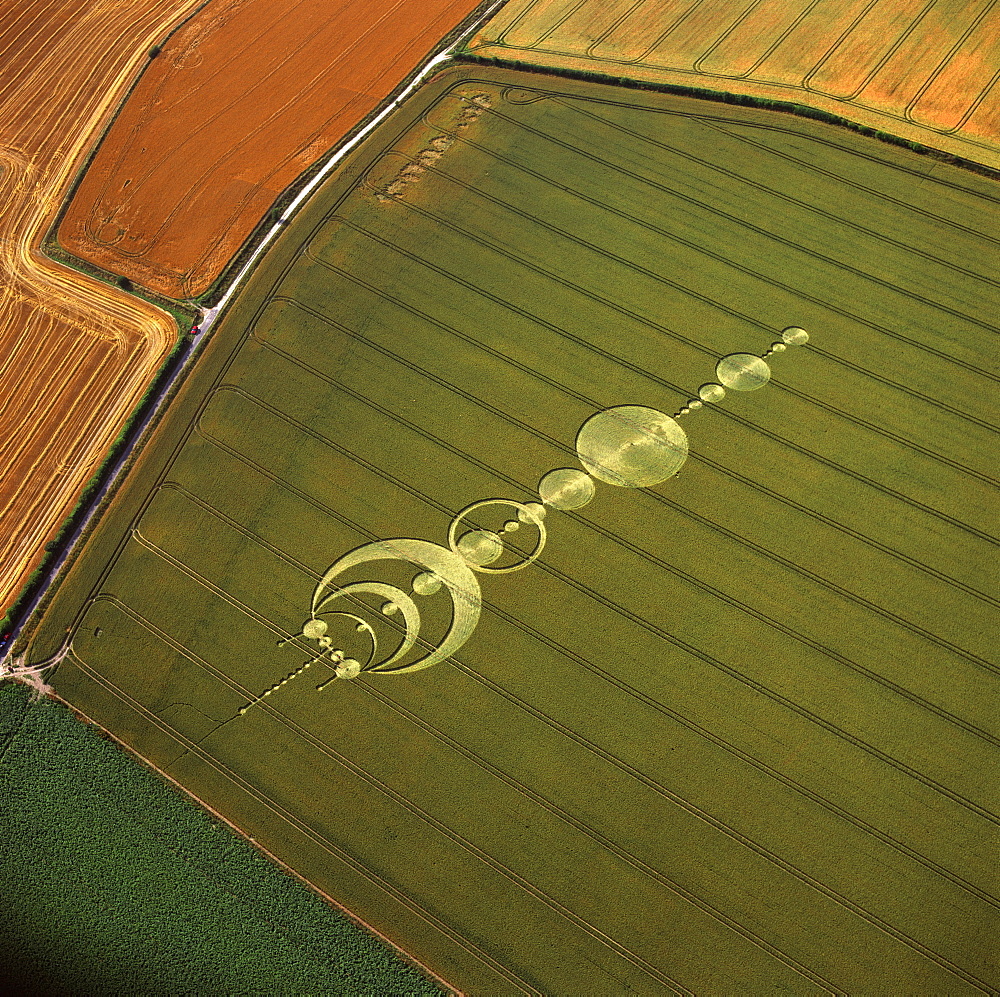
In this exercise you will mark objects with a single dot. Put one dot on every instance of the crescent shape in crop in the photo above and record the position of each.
(453, 571)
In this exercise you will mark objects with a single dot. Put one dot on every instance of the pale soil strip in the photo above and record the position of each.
(914, 68)
(338, 154)
(75, 355)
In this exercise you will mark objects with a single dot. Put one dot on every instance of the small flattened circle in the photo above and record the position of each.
(794, 336)
(743, 372)
(531, 512)
(426, 583)
(778, 348)
(349, 668)
(314, 629)
(480, 547)
(566, 488)
(632, 446)
(711, 393)
(528, 513)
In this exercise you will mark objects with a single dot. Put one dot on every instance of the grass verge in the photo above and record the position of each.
(724, 97)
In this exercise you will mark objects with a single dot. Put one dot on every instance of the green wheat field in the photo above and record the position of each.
(735, 733)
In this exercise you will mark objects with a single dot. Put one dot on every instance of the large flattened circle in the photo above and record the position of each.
(743, 372)
(632, 446)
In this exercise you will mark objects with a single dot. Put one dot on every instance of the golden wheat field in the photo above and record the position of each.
(927, 72)
(727, 731)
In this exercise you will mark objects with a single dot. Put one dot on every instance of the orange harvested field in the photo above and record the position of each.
(241, 100)
(927, 72)
(75, 355)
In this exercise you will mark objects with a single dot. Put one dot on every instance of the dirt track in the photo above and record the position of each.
(75, 355)
(241, 100)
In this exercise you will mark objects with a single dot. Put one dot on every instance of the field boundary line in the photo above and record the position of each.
(631, 691)
(210, 315)
(194, 747)
(203, 124)
(702, 81)
(302, 825)
(699, 88)
(835, 264)
(657, 631)
(830, 141)
(575, 107)
(308, 832)
(207, 253)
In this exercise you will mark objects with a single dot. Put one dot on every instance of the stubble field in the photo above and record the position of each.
(734, 733)
(240, 101)
(75, 355)
(928, 72)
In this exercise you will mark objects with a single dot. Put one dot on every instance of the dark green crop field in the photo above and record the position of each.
(113, 883)
(732, 732)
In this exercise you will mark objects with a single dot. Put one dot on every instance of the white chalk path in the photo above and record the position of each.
(11, 667)
(211, 314)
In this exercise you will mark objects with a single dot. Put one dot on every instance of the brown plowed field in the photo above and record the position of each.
(75, 355)
(241, 100)
(925, 70)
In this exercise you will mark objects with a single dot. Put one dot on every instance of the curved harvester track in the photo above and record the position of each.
(925, 71)
(75, 355)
